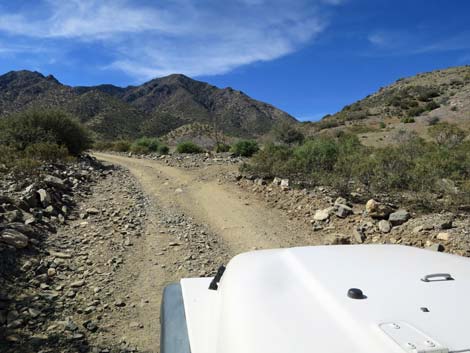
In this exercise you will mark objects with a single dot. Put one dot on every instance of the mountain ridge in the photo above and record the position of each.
(122, 112)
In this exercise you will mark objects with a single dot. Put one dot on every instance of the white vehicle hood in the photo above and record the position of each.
(295, 300)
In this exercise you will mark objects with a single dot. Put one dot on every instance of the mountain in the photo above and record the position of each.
(155, 107)
(410, 104)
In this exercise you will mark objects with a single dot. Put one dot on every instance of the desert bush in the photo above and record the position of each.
(433, 120)
(317, 154)
(273, 160)
(382, 125)
(413, 166)
(103, 145)
(416, 111)
(188, 147)
(44, 126)
(47, 152)
(408, 120)
(222, 147)
(286, 132)
(148, 144)
(163, 149)
(139, 149)
(121, 146)
(431, 105)
(446, 134)
(245, 148)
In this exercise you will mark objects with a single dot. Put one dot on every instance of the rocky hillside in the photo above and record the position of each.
(410, 104)
(154, 108)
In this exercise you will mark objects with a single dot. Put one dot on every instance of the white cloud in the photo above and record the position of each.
(196, 37)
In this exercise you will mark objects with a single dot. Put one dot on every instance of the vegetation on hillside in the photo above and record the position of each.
(435, 173)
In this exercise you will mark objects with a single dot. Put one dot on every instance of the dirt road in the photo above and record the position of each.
(238, 218)
(235, 222)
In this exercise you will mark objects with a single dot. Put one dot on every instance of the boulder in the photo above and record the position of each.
(343, 211)
(44, 197)
(399, 217)
(436, 247)
(14, 238)
(284, 184)
(377, 209)
(443, 236)
(95, 211)
(322, 215)
(385, 226)
(342, 201)
(277, 181)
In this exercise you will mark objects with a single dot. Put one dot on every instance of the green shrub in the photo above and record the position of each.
(382, 125)
(272, 160)
(44, 126)
(47, 152)
(416, 111)
(286, 132)
(446, 134)
(319, 154)
(408, 120)
(414, 166)
(139, 149)
(245, 148)
(188, 147)
(121, 146)
(431, 106)
(102, 145)
(163, 149)
(148, 144)
(222, 147)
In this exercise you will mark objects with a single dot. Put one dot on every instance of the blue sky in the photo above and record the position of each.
(308, 57)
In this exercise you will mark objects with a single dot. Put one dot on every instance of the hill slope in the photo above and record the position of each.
(157, 106)
(409, 104)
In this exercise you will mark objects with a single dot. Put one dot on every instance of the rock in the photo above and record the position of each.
(385, 226)
(34, 312)
(77, 284)
(15, 238)
(284, 184)
(399, 217)
(322, 215)
(53, 181)
(260, 181)
(135, 325)
(343, 211)
(436, 247)
(51, 272)
(447, 224)
(443, 236)
(376, 209)
(92, 211)
(44, 197)
(60, 255)
(90, 326)
(119, 303)
(342, 201)
(276, 181)
(359, 235)
(178, 191)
